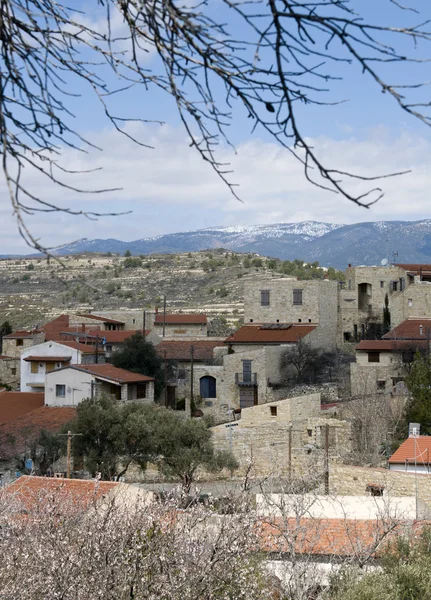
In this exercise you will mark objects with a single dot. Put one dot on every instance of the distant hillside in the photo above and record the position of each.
(330, 244)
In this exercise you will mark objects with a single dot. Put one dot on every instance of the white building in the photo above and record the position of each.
(413, 456)
(69, 385)
(38, 360)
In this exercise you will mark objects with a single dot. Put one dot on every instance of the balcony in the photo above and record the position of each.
(246, 378)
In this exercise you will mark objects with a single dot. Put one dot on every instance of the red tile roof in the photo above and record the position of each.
(57, 324)
(181, 319)
(47, 358)
(389, 345)
(327, 537)
(410, 330)
(415, 267)
(419, 447)
(108, 371)
(20, 334)
(116, 337)
(103, 319)
(84, 348)
(34, 493)
(16, 435)
(262, 334)
(180, 350)
(16, 404)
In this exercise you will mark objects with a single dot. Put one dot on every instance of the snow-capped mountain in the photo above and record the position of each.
(329, 243)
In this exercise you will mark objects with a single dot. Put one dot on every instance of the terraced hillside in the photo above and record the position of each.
(33, 290)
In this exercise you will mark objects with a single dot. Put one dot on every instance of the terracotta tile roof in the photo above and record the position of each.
(180, 350)
(20, 334)
(262, 334)
(181, 319)
(116, 337)
(411, 447)
(103, 319)
(108, 371)
(56, 324)
(47, 358)
(84, 348)
(389, 345)
(16, 435)
(34, 493)
(410, 330)
(327, 537)
(15, 404)
(414, 267)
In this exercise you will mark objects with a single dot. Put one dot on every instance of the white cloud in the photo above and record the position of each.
(172, 189)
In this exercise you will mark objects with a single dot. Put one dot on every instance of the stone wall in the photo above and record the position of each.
(9, 371)
(262, 436)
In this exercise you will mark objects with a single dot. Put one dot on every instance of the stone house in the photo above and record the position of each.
(38, 360)
(293, 301)
(15, 343)
(381, 365)
(105, 323)
(258, 335)
(264, 432)
(180, 325)
(69, 385)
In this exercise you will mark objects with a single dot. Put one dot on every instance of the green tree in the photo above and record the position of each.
(418, 381)
(187, 445)
(140, 356)
(127, 253)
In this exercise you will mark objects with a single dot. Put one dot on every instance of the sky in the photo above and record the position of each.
(170, 188)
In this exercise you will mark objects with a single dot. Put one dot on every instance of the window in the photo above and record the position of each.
(60, 390)
(373, 357)
(50, 366)
(350, 284)
(309, 432)
(382, 284)
(410, 302)
(299, 320)
(20, 342)
(13, 371)
(208, 387)
(34, 367)
(273, 410)
(394, 286)
(246, 371)
(264, 297)
(347, 336)
(141, 390)
(402, 283)
(297, 297)
(381, 384)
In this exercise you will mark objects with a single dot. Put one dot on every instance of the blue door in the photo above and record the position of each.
(208, 387)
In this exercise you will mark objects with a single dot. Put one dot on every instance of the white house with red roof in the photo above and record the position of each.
(38, 360)
(413, 456)
(70, 384)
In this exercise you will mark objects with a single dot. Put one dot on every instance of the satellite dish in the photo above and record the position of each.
(384, 262)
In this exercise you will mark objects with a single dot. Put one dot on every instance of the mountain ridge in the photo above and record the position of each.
(331, 244)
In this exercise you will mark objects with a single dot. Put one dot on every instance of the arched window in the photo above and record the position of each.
(208, 387)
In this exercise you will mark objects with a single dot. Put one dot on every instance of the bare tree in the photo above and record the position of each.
(288, 55)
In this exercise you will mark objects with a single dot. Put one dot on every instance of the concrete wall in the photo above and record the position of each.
(27, 378)
(78, 387)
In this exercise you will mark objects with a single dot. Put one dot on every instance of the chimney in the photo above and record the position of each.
(421, 330)
(349, 265)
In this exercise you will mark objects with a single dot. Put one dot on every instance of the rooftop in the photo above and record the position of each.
(103, 319)
(181, 350)
(111, 373)
(20, 334)
(276, 333)
(410, 329)
(389, 345)
(413, 449)
(181, 319)
(16, 404)
(33, 492)
(47, 358)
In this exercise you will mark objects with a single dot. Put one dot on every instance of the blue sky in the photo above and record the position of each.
(170, 188)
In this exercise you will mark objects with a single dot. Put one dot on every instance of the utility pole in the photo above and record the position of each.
(166, 379)
(164, 315)
(69, 435)
(97, 349)
(144, 326)
(290, 453)
(192, 350)
(327, 460)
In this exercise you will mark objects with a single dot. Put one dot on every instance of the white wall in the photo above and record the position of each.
(77, 387)
(45, 349)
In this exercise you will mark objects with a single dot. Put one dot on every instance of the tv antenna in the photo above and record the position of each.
(395, 255)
